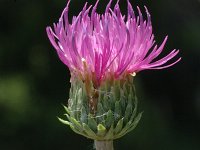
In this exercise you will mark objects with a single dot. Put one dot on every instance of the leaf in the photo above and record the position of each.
(116, 91)
(106, 102)
(76, 124)
(109, 134)
(92, 123)
(109, 119)
(135, 122)
(135, 108)
(118, 111)
(119, 126)
(83, 117)
(66, 109)
(130, 126)
(88, 131)
(100, 113)
(76, 131)
(64, 121)
(101, 130)
(122, 100)
(128, 111)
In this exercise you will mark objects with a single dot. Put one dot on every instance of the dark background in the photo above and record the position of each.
(34, 83)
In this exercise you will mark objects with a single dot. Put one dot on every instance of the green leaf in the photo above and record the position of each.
(68, 117)
(132, 91)
(105, 102)
(130, 126)
(88, 131)
(64, 121)
(100, 113)
(111, 99)
(101, 130)
(76, 124)
(83, 117)
(119, 126)
(92, 123)
(125, 89)
(116, 91)
(123, 131)
(122, 100)
(135, 109)
(118, 111)
(78, 132)
(136, 121)
(109, 134)
(66, 109)
(128, 111)
(109, 119)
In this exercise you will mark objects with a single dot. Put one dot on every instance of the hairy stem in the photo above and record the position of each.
(103, 145)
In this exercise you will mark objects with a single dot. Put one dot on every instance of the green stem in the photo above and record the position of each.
(103, 145)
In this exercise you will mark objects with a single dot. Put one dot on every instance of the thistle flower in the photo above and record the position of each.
(101, 52)
(99, 45)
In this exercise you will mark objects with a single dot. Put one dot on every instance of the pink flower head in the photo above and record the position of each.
(100, 45)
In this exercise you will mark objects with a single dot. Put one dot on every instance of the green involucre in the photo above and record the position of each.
(116, 111)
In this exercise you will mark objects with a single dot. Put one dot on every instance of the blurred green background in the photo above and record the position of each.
(34, 83)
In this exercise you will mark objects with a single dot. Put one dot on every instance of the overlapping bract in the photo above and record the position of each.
(99, 45)
(116, 110)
